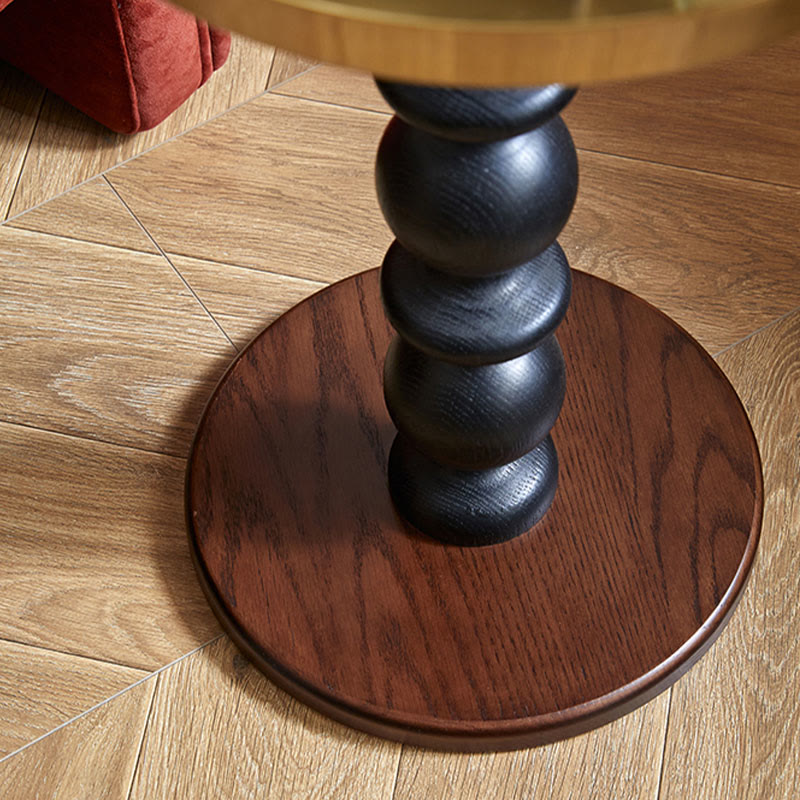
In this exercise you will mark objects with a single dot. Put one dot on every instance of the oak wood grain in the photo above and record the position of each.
(41, 689)
(704, 248)
(243, 301)
(220, 729)
(102, 342)
(735, 723)
(290, 190)
(740, 117)
(287, 65)
(69, 147)
(94, 757)
(91, 213)
(717, 254)
(620, 761)
(20, 100)
(322, 585)
(337, 85)
(94, 552)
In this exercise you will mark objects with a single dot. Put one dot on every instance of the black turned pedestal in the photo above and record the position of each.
(476, 185)
(315, 517)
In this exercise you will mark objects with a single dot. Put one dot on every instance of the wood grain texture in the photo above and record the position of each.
(286, 66)
(93, 551)
(706, 249)
(740, 117)
(94, 757)
(620, 761)
(102, 342)
(69, 147)
(90, 213)
(511, 43)
(20, 100)
(41, 689)
(318, 581)
(265, 744)
(735, 723)
(339, 86)
(718, 255)
(294, 193)
(243, 301)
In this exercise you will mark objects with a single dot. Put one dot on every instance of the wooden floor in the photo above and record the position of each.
(123, 300)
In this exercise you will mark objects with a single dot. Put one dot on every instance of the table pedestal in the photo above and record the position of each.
(623, 584)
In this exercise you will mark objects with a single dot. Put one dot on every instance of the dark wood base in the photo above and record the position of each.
(624, 584)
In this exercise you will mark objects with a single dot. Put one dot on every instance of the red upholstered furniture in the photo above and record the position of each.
(126, 63)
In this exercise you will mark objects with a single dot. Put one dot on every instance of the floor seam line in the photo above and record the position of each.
(81, 438)
(319, 102)
(174, 268)
(25, 156)
(688, 169)
(114, 696)
(70, 654)
(756, 332)
(664, 746)
(293, 77)
(397, 772)
(145, 727)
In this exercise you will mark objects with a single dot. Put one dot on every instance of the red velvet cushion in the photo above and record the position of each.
(128, 64)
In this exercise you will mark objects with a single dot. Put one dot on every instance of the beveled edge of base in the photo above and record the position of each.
(493, 735)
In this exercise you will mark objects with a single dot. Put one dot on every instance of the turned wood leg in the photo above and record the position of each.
(476, 185)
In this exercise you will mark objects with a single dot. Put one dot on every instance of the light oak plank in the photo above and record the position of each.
(243, 301)
(717, 254)
(290, 189)
(94, 757)
(41, 689)
(103, 343)
(90, 212)
(69, 147)
(704, 248)
(620, 761)
(337, 85)
(94, 553)
(220, 729)
(20, 100)
(286, 65)
(735, 725)
(739, 117)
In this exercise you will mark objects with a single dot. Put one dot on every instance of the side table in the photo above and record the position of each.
(410, 502)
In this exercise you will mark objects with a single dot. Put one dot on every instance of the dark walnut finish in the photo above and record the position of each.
(476, 185)
(617, 591)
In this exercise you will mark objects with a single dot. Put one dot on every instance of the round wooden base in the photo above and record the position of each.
(623, 585)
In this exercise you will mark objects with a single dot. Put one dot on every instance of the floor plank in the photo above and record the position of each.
(337, 85)
(735, 724)
(91, 213)
(103, 343)
(290, 190)
(41, 689)
(69, 147)
(286, 65)
(220, 729)
(717, 254)
(243, 301)
(20, 100)
(739, 117)
(703, 248)
(94, 554)
(94, 757)
(620, 761)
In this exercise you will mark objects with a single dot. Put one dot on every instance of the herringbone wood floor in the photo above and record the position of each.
(122, 301)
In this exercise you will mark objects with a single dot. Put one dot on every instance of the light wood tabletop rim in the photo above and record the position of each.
(442, 49)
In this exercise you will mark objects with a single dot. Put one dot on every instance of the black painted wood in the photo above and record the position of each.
(476, 185)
